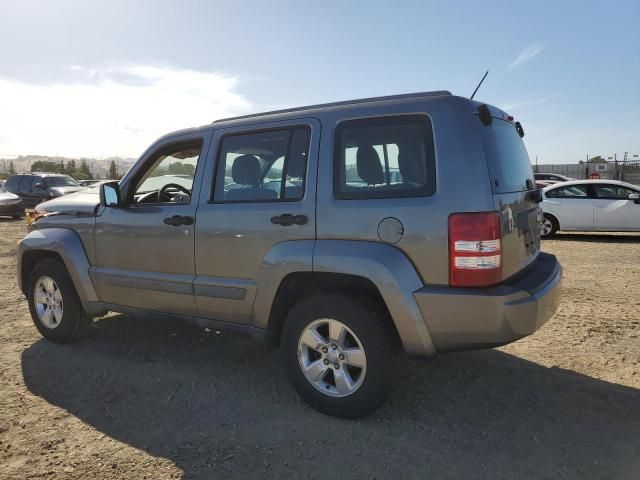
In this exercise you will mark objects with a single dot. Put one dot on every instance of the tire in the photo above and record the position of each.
(550, 226)
(69, 322)
(367, 329)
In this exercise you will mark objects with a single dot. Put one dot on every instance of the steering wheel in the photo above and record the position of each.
(162, 192)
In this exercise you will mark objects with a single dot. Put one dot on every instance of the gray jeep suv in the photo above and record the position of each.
(340, 233)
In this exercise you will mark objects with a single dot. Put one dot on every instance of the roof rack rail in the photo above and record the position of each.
(436, 93)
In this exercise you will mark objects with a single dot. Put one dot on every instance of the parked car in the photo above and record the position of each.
(10, 205)
(551, 177)
(35, 188)
(591, 205)
(341, 265)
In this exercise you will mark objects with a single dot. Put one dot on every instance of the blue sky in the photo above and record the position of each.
(101, 78)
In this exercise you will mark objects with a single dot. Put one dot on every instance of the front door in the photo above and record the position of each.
(613, 209)
(258, 195)
(144, 249)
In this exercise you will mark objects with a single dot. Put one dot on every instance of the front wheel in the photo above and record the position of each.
(339, 354)
(54, 304)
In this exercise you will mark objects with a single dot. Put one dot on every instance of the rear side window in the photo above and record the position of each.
(263, 166)
(12, 183)
(571, 191)
(384, 157)
(507, 158)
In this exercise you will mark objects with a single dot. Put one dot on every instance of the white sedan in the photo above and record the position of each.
(595, 205)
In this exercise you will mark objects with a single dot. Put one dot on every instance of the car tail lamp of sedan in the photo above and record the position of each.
(475, 249)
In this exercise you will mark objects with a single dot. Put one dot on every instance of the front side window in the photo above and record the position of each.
(169, 177)
(262, 166)
(384, 157)
(613, 192)
(572, 191)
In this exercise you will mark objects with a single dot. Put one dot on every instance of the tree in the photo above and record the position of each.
(84, 173)
(70, 169)
(12, 169)
(113, 170)
(597, 159)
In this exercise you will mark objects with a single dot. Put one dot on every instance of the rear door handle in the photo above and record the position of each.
(286, 220)
(178, 220)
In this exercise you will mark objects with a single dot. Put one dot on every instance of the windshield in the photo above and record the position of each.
(507, 157)
(61, 182)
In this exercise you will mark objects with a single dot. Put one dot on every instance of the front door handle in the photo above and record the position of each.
(178, 220)
(286, 220)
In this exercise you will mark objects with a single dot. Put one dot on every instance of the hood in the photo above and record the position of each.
(84, 201)
(8, 196)
(67, 190)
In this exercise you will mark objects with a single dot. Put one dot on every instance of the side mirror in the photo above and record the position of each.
(535, 195)
(635, 197)
(110, 194)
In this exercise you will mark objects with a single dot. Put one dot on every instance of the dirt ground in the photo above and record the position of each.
(141, 399)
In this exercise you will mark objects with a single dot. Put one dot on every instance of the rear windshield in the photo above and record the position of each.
(507, 158)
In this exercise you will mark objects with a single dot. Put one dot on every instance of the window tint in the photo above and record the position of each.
(384, 157)
(572, 191)
(507, 157)
(612, 192)
(61, 182)
(262, 166)
(172, 171)
(13, 183)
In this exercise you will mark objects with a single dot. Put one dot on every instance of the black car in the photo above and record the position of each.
(35, 188)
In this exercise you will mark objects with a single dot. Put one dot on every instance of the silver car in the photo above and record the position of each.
(340, 233)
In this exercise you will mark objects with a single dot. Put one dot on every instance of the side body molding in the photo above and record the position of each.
(68, 245)
(394, 276)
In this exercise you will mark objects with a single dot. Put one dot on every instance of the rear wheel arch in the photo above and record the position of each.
(299, 285)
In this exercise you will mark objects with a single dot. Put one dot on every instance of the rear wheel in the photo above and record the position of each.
(549, 226)
(55, 307)
(339, 354)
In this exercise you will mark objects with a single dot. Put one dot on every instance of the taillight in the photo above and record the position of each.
(475, 249)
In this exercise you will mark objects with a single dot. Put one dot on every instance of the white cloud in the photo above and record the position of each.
(517, 105)
(111, 111)
(526, 55)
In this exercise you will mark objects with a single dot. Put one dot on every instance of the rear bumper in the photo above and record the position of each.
(470, 318)
(12, 210)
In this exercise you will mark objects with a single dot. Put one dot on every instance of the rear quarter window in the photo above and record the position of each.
(507, 158)
(384, 157)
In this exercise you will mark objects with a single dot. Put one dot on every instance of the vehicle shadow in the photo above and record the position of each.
(602, 237)
(219, 404)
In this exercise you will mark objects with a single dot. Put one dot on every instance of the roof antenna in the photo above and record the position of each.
(474, 92)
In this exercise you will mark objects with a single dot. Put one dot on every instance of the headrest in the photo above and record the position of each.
(368, 165)
(246, 170)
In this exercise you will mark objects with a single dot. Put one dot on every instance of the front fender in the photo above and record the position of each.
(67, 244)
(394, 276)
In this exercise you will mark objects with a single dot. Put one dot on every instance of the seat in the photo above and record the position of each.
(296, 168)
(246, 171)
(411, 166)
(368, 165)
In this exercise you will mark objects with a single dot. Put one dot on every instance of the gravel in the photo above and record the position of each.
(145, 399)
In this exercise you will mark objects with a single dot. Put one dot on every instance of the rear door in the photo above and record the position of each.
(612, 208)
(571, 205)
(258, 194)
(512, 183)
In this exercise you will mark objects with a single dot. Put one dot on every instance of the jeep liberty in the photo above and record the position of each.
(340, 233)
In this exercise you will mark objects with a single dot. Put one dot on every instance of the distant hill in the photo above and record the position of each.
(99, 167)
